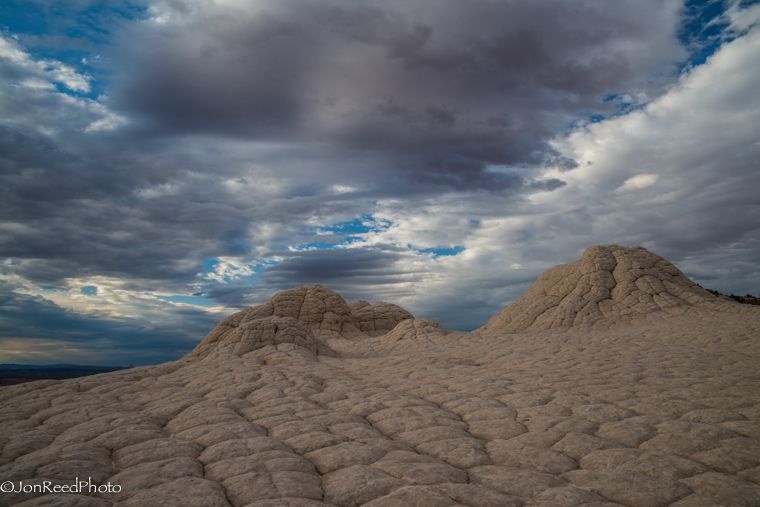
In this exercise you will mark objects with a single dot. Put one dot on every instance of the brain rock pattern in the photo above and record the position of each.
(615, 381)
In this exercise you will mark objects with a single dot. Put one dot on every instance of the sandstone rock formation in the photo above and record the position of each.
(608, 285)
(307, 316)
(293, 402)
(415, 329)
(378, 318)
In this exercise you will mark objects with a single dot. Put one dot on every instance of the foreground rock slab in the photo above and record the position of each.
(308, 400)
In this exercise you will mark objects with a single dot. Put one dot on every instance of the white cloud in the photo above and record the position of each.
(67, 76)
(32, 82)
(644, 180)
(11, 51)
(230, 268)
(743, 18)
(160, 190)
(115, 299)
(109, 121)
(50, 70)
(343, 189)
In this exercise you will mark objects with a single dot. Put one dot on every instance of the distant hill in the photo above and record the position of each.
(19, 373)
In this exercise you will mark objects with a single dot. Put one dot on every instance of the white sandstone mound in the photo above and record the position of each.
(607, 285)
(309, 316)
(254, 334)
(377, 318)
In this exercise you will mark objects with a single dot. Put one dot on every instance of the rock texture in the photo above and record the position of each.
(378, 318)
(309, 317)
(415, 329)
(294, 403)
(607, 285)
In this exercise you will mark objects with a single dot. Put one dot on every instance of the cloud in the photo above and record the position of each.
(45, 95)
(35, 330)
(90, 191)
(433, 91)
(39, 73)
(643, 180)
(230, 149)
(227, 269)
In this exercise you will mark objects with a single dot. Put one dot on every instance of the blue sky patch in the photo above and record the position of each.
(360, 225)
(703, 29)
(343, 233)
(315, 245)
(442, 251)
(89, 290)
(355, 226)
(208, 265)
(74, 33)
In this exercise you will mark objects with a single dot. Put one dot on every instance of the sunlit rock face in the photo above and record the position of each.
(614, 381)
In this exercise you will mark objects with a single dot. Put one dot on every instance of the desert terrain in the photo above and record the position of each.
(615, 380)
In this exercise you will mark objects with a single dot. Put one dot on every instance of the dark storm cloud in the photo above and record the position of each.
(437, 89)
(76, 213)
(97, 340)
(149, 211)
(339, 267)
(360, 273)
(236, 296)
(140, 209)
(241, 129)
(372, 95)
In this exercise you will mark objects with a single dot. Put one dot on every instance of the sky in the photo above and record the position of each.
(165, 163)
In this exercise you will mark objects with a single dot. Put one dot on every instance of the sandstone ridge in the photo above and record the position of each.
(609, 284)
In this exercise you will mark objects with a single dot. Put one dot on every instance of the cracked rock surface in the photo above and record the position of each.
(608, 285)
(614, 381)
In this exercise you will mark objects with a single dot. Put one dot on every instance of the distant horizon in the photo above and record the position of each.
(167, 163)
(738, 297)
(65, 365)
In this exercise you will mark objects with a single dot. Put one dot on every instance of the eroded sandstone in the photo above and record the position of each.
(614, 381)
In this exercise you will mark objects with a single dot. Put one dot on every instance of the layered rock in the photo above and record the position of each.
(607, 284)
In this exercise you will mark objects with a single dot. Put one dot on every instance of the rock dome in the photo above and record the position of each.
(608, 284)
